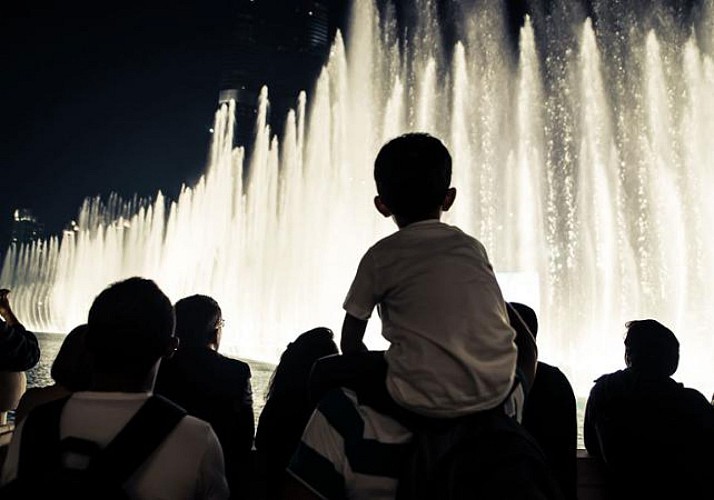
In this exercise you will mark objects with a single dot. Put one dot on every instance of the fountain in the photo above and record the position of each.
(582, 161)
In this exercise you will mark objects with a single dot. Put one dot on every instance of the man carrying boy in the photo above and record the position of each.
(451, 353)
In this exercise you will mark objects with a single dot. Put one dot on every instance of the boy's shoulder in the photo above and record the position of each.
(433, 231)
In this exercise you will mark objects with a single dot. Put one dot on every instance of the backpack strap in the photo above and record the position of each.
(139, 438)
(40, 443)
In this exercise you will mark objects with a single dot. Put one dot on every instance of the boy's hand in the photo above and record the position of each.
(352, 334)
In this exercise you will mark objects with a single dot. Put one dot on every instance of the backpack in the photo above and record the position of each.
(41, 468)
(487, 455)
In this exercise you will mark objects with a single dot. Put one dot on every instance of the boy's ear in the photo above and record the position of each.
(381, 207)
(449, 199)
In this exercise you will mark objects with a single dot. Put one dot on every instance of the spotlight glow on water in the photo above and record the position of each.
(583, 163)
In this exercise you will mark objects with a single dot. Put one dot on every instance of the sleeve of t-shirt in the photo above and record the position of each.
(212, 482)
(362, 296)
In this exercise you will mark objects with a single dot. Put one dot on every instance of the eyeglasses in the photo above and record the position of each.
(221, 323)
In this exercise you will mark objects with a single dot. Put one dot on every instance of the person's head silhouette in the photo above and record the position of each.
(651, 348)
(199, 322)
(129, 329)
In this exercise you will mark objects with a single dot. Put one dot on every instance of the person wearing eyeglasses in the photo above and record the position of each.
(211, 386)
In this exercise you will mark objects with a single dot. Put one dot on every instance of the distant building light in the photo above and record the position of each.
(227, 95)
(24, 215)
(25, 227)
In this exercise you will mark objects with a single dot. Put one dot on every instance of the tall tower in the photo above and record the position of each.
(279, 44)
(25, 227)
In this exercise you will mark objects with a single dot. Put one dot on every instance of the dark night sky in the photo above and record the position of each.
(99, 98)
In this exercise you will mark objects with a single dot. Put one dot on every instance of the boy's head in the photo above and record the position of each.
(413, 175)
(651, 347)
(198, 321)
(130, 327)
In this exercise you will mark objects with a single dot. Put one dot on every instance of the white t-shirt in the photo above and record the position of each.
(187, 465)
(451, 347)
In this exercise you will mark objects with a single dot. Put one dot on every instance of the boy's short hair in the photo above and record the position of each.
(197, 319)
(413, 174)
(130, 326)
(651, 347)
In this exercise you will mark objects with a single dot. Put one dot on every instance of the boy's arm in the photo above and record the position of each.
(352, 334)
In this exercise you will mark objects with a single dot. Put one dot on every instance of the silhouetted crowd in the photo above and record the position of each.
(143, 405)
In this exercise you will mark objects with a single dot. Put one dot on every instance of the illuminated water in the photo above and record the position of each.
(583, 166)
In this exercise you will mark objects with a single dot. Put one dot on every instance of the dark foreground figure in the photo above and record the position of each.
(210, 386)
(350, 450)
(430, 418)
(288, 407)
(550, 415)
(71, 372)
(19, 350)
(655, 436)
(117, 440)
